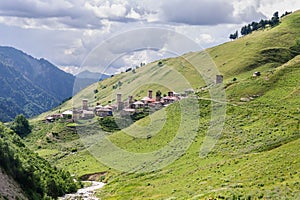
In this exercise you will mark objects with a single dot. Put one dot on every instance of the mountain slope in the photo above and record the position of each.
(255, 157)
(30, 86)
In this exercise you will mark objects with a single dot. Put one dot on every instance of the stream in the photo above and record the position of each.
(87, 193)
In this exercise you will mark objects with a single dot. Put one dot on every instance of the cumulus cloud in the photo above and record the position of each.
(108, 10)
(68, 14)
(211, 12)
(89, 14)
(70, 69)
(38, 9)
(140, 45)
(251, 14)
(133, 59)
(66, 31)
(205, 38)
(205, 12)
(248, 10)
(270, 6)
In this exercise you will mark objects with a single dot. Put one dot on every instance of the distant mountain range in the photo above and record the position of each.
(31, 86)
(86, 78)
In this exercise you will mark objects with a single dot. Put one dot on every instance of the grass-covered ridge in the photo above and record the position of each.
(256, 156)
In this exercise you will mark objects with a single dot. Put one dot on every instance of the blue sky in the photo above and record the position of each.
(66, 31)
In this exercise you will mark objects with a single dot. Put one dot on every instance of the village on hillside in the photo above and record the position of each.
(127, 107)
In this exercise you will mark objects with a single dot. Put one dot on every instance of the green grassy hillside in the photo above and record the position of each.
(261, 50)
(256, 155)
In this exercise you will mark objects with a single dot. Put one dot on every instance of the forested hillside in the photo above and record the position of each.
(36, 177)
(30, 86)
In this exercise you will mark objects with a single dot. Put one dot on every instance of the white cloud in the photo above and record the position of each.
(133, 14)
(270, 6)
(145, 56)
(70, 69)
(205, 38)
(107, 9)
(66, 31)
(205, 12)
(69, 51)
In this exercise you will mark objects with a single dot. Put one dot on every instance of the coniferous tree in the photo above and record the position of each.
(254, 26)
(234, 35)
(262, 24)
(275, 19)
(244, 30)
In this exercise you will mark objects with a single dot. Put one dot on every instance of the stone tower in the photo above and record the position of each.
(84, 104)
(150, 94)
(219, 79)
(120, 104)
(130, 100)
